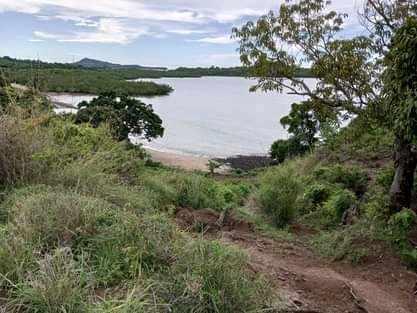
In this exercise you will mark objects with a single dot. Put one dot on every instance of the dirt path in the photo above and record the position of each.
(304, 282)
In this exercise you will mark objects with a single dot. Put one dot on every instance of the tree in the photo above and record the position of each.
(125, 115)
(282, 149)
(348, 72)
(400, 92)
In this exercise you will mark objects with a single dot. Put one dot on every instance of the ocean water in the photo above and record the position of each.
(216, 116)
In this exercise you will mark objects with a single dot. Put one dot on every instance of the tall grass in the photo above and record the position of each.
(277, 194)
(82, 215)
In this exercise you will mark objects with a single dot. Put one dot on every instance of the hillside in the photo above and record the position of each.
(93, 225)
(92, 63)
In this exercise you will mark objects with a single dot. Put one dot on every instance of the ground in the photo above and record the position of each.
(303, 281)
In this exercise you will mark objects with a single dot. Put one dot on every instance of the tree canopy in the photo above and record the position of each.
(350, 72)
(126, 115)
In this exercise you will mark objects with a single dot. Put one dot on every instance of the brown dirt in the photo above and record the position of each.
(304, 282)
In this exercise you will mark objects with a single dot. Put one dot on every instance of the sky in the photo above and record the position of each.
(168, 33)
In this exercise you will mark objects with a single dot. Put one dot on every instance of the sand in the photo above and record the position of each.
(185, 161)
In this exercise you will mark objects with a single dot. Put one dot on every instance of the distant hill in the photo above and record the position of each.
(91, 63)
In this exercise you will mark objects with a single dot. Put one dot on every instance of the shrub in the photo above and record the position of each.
(409, 257)
(197, 192)
(339, 245)
(52, 219)
(317, 193)
(282, 149)
(18, 144)
(384, 177)
(277, 195)
(127, 244)
(375, 205)
(338, 203)
(400, 223)
(348, 177)
(125, 115)
(213, 165)
(209, 277)
(56, 286)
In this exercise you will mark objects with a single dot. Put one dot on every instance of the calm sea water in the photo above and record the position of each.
(216, 116)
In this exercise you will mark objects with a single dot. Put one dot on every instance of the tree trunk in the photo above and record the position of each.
(405, 162)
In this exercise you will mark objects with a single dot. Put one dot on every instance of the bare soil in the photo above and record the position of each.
(303, 281)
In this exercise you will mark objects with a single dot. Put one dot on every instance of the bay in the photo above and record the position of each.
(215, 116)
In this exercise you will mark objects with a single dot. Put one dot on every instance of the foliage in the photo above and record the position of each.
(9, 64)
(400, 82)
(314, 196)
(338, 203)
(348, 177)
(360, 76)
(401, 222)
(212, 279)
(212, 165)
(308, 26)
(19, 141)
(284, 149)
(88, 81)
(54, 287)
(126, 116)
(277, 195)
(339, 246)
(197, 192)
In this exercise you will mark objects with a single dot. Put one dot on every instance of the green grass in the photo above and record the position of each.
(94, 219)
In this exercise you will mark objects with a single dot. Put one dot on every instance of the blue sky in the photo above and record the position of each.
(167, 33)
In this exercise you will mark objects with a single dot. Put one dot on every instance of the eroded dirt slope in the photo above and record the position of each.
(304, 282)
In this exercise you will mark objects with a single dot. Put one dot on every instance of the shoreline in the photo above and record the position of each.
(194, 162)
(185, 161)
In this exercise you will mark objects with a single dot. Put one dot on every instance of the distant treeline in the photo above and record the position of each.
(66, 77)
(132, 73)
(77, 80)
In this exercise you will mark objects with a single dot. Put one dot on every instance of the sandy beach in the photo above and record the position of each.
(185, 161)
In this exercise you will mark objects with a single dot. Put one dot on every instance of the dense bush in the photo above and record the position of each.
(277, 195)
(125, 115)
(338, 203)
(91, 81)
(209, 278)
(401, 222)
(284, 149)
(347, 177)
(19, 141)
(314, 196)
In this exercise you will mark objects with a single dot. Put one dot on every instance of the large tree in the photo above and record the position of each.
(400, 106)
(349, 72)
(124, 114)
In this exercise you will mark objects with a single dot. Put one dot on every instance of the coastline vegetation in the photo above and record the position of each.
(90, 224)
(87, 225)
(66, 77)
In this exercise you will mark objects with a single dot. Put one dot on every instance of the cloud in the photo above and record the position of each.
(36, 40)
(221, 40)
(217, 57)
(183, 11)
(108, 30)
(186, 31)
(130, 19)
(44, 35)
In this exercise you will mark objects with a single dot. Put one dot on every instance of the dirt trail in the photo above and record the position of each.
(303, 281)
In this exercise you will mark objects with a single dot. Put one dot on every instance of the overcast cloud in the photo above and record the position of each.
(155, 23)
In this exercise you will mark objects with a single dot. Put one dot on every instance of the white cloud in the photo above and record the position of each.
(221, 40)
(186, 11)
(222, 57)
(181, 17)
(181, 31)
(36, 40)
(108, 30)
(44, 35)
